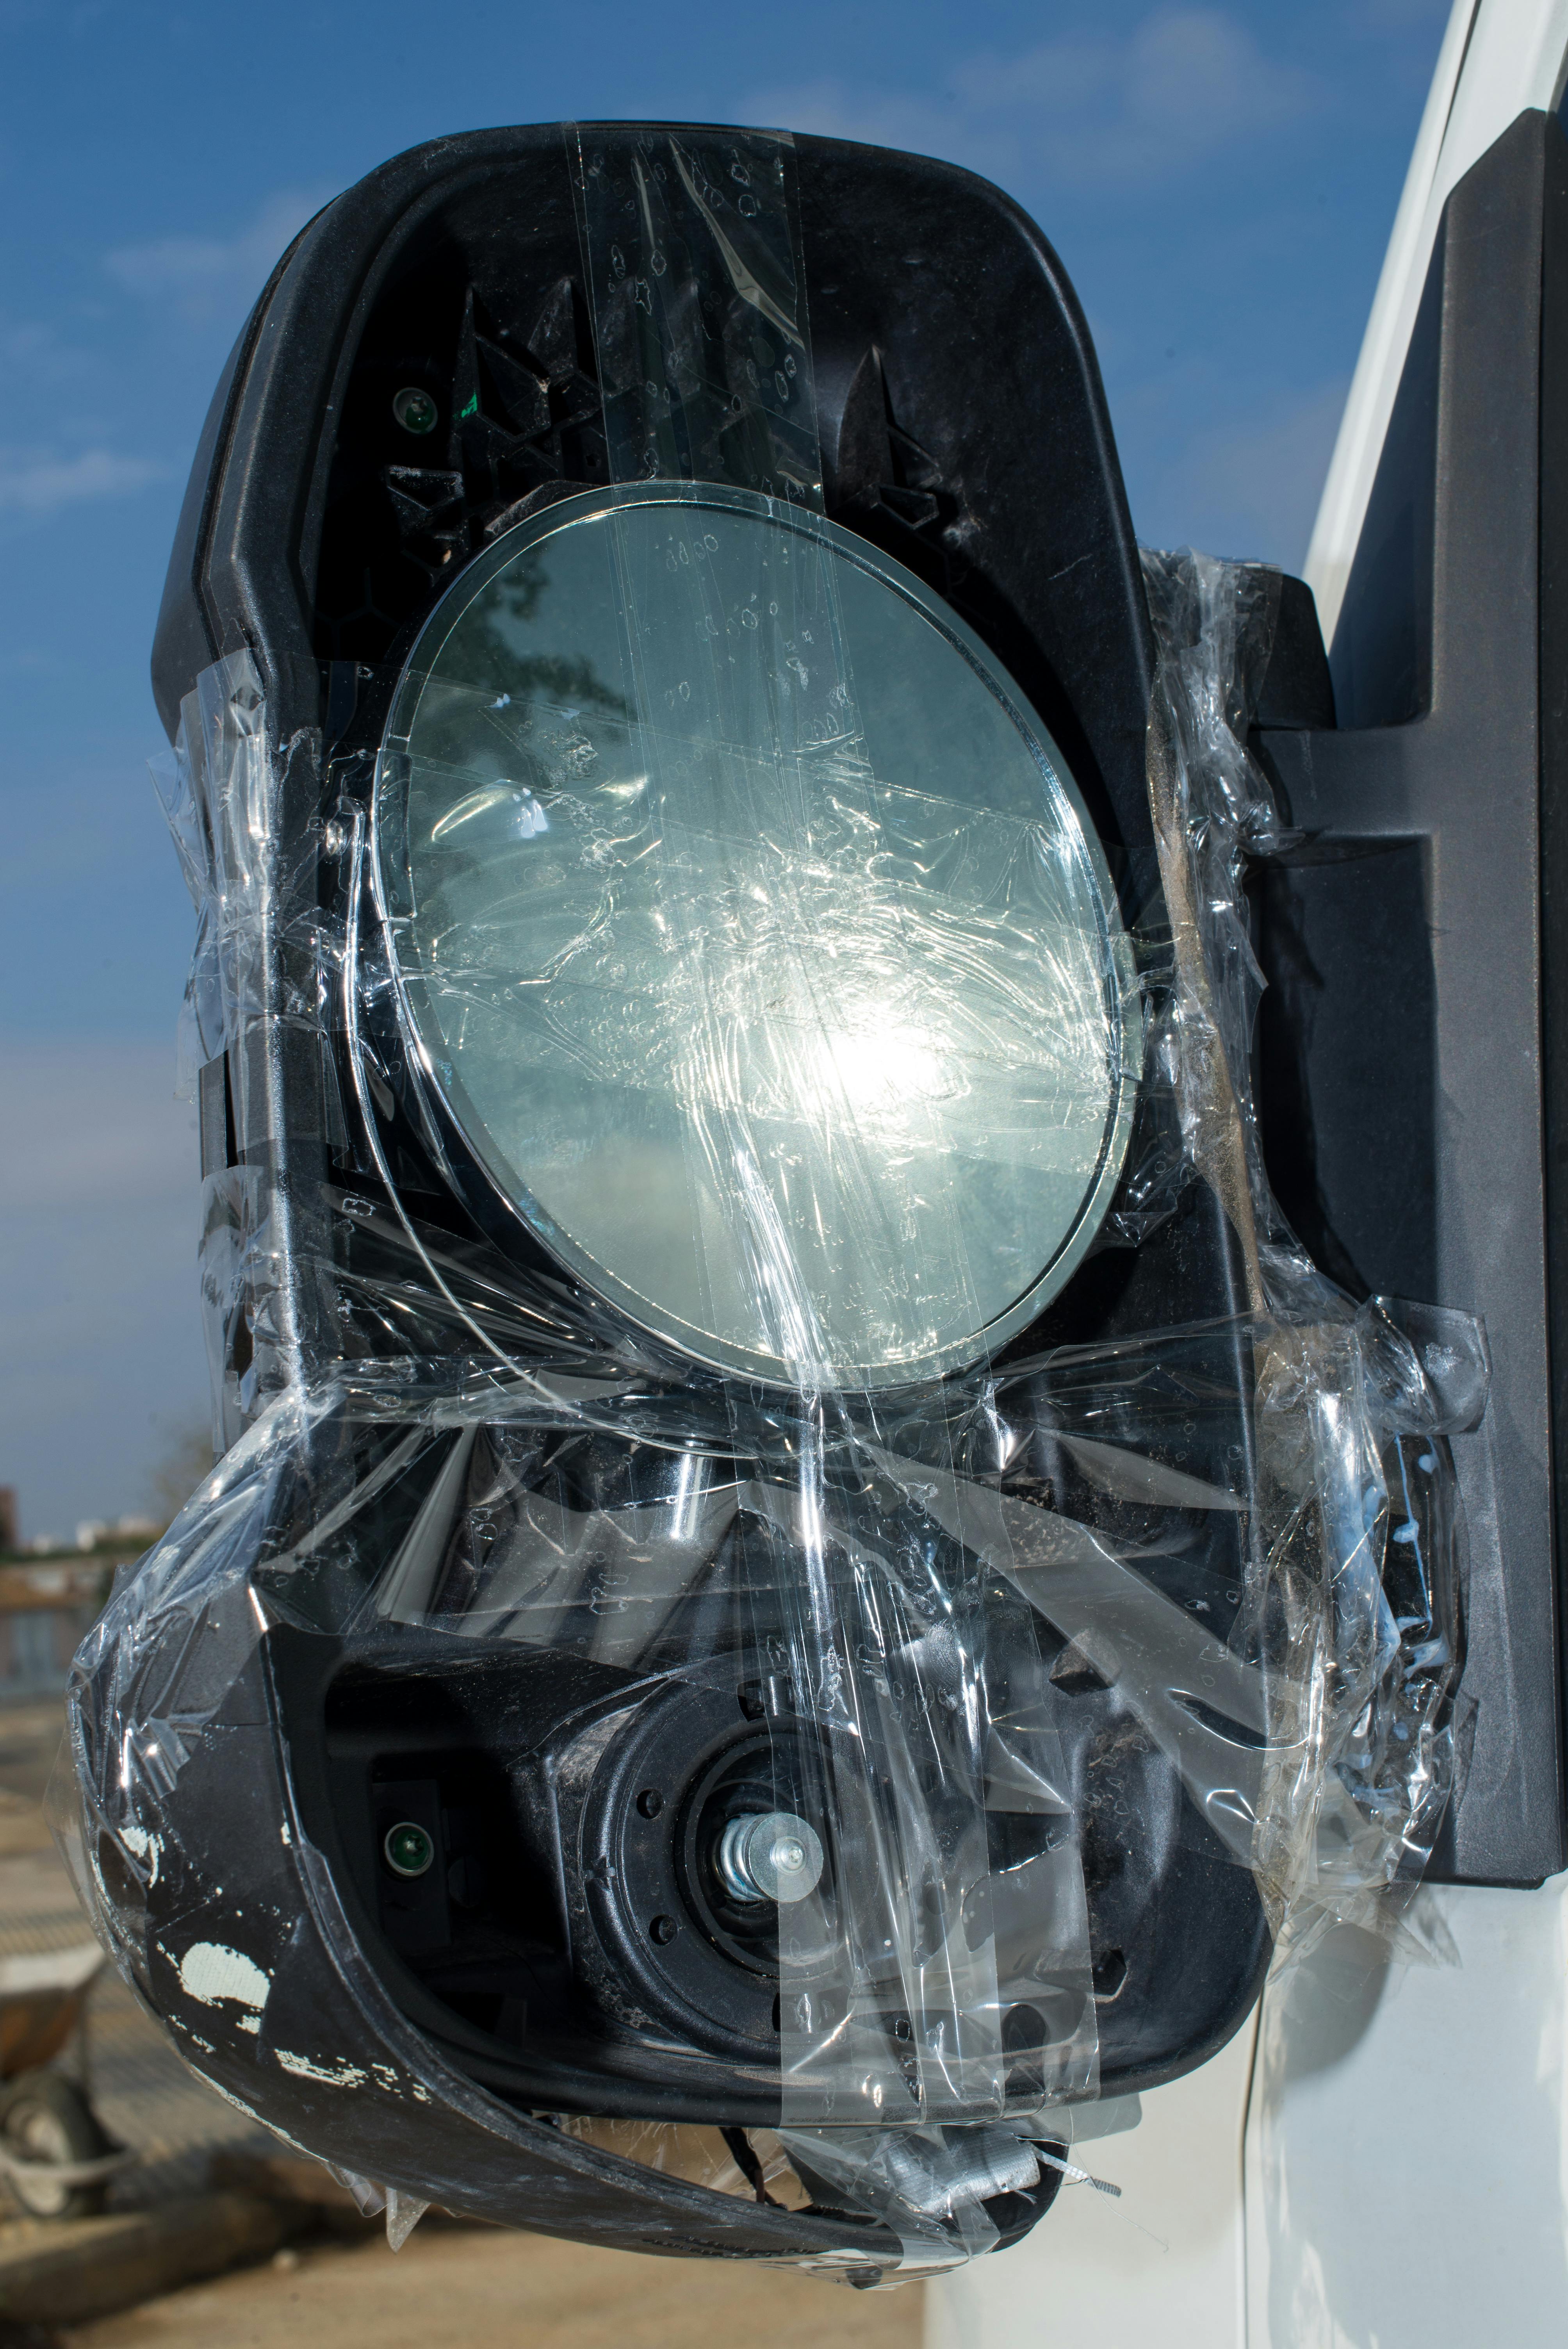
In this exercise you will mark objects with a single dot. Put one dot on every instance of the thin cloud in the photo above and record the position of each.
(32, 352)
(1399, 16)
(94, 1126)
(40, 481)
(1094, 109)
(100, 1196)
(1258, 489)
(207, 278)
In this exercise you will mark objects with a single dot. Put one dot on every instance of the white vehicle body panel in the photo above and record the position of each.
(1163, 2268)
(1498, 58)
(1380, 2162)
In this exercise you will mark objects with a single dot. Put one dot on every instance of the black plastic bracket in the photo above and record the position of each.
(1413, 1096)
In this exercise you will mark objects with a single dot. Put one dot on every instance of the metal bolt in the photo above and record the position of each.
(769, 1856)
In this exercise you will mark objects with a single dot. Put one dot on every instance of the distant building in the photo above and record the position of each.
(51, 1591)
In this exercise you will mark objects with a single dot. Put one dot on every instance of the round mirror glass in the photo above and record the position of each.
(752, 929)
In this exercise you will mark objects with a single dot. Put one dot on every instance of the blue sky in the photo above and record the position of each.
(1220, 182)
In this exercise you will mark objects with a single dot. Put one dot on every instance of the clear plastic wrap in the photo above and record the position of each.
(713, 1082)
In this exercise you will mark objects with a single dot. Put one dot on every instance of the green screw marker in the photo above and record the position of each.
(409, 1849)
(414, 409)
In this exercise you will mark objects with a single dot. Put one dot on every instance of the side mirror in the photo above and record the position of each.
(799, 1551)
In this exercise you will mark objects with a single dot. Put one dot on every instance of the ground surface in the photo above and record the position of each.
(508, 2291)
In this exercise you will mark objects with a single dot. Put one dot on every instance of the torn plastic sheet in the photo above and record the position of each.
(578, 1595)
(995, 1643)
(1275, 1614)
(1330, 1802)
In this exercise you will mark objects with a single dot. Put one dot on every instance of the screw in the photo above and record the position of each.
(415, 410)
(408, 1848)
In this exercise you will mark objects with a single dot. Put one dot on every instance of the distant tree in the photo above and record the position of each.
(185, 1460)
